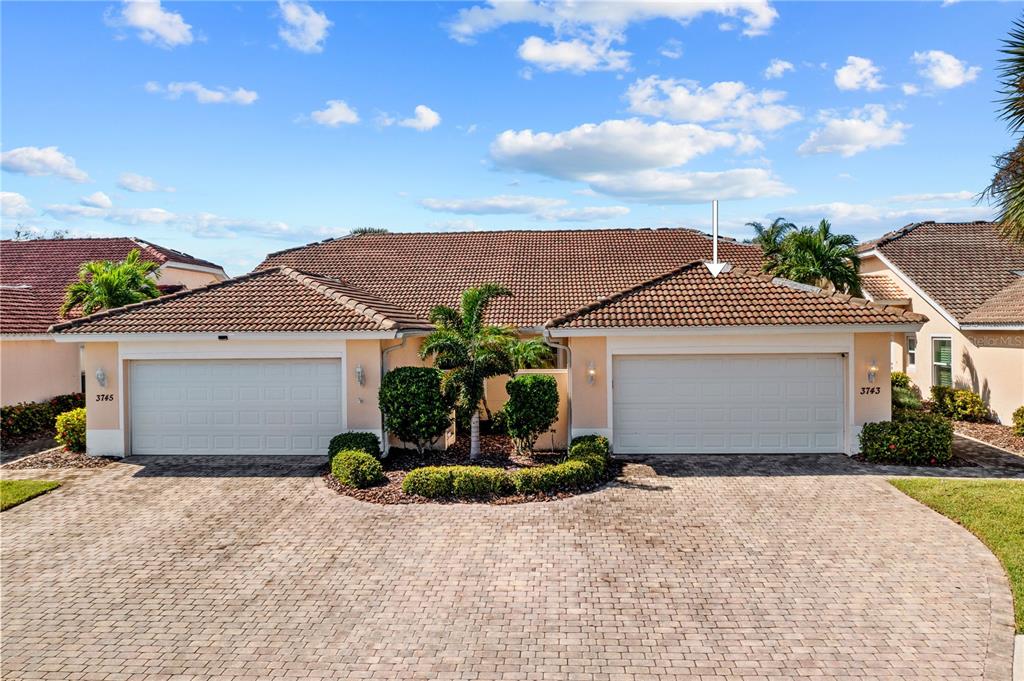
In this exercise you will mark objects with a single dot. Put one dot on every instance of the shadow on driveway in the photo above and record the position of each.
(227, 466)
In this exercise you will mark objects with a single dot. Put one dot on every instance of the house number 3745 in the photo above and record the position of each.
(105, 397)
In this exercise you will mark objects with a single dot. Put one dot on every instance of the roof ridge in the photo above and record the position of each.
(316, 282)
(64, 326)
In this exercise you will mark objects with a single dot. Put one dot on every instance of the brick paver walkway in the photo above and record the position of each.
(705, 567)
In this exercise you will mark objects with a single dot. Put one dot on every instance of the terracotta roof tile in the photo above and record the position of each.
(690, 296)
(881, 287)
(271, 300)
(550, 272)
(960, 265)
(34, 274)
(1005, 307)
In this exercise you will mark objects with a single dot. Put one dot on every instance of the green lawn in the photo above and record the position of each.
(14, 492)
(991, 509)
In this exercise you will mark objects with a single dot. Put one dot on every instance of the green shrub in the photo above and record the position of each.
(898, 379)
(599, 440)
(1018, 421)
(942, 400)
(904, 398)
(71, 430)
(416, 410)
(430, 481)
(469, 482)
(364, 442)
(592, 450)
(27, 420)
(968, 406)
(356, 468)
(531, 409)
(916, 439)
(549, 479)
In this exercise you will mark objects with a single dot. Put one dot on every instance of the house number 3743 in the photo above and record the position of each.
(105, 397)
(871, 390)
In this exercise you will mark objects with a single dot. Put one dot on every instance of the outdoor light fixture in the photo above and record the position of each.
(591, 372)
(873, 371)
(101, 377)
(360, 375)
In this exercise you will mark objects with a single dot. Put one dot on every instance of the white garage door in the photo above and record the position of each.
(712, 404)
(288, 406)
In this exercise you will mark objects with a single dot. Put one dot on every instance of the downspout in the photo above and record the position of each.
(386, 444)
(568, 384)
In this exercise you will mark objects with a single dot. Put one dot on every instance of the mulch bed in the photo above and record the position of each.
(955, 462)
(58, 458)
(495, 451)
(992, 433)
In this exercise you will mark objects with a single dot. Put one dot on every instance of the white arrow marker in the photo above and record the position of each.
(715, 267)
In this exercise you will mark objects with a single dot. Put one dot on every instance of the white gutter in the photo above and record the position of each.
(227, 335)
(735, 330)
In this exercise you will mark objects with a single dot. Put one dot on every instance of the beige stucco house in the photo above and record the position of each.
(33, 278)
(653, 351)
(969, 283)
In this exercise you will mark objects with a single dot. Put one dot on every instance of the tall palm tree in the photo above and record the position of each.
(469, 351)
(818, 256)
(770, 239)
(103, 284)
(1007, 188)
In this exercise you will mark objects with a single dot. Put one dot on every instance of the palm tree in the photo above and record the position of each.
(103, 284)
(1007, 188)
(531, 354)
(770, 240)
(819, 257)
(469, 351)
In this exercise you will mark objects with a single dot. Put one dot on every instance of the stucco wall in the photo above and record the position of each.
(36, 370)
(589, 399)
(869, 406)
(170, 274)
(103, 414)
(363, 412)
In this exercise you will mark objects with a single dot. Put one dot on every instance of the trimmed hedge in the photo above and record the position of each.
(959, 405)
(71, 430)
(364, 442)
(558, 478)
(912, 439)
(27, 420)
(1018, 421)
(416, 410)
(531, 409)
(356, 468)
(432, 482)
(469, 482)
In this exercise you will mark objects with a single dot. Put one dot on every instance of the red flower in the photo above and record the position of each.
(892, 446)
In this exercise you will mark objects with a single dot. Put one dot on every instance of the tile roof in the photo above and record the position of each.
(960, 265)
(1005, 307)
(278, 299)
(881, 287)
(690, 296)
(34, 274)
(550, 272)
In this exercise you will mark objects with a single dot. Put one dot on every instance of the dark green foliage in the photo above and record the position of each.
(905, 398)
(416, 409)
(1018, 422)
(811, 255)
(103, 285)
(71, 430)
(592, 450)
(942, 400)
(898, 379)
(364, 442)
(27, 420)
(915, 439)
(959, 405)
(600, 441)
(531, 409)
(469, 482)
(1007, 188)
(433, 482)
(356, 468)
(549, 479)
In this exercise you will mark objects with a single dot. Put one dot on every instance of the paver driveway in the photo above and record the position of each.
(715, 567)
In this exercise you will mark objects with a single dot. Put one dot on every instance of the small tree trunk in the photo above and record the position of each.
(474, 435)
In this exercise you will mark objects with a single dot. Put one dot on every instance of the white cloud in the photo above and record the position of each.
(910, 89)
(660, 186)
(587, 214)
(304, 29)
(541, 207)
(854, 217)
(943, 70)
(424, 118)
(154, 24)
(777, 68)
(729, 102)
(140, 183)
(336, 113)
(202, 94)
(96, 200)
(38, 161)
(14, 205)
(937, 196)
(866, 128)
(859, 74)
(672, 49)
(577, 56)
(461, 224)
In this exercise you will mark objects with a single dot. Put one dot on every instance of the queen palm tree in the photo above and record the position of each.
(470, 352)
(770, 239)
(1007, 188)
(819, 257)
(103, 284)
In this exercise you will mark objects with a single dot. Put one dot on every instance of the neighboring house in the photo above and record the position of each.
(33, 278)
(969, 282)
(655, 353)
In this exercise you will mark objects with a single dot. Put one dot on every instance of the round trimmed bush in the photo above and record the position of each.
(71, 430)
(432, 482)
(968, 406)
(1018, 422)
(416, 410)
(356, 468)
(916, 439)
(531, 410)
(469, 482)
(548, 479)
(364, 442)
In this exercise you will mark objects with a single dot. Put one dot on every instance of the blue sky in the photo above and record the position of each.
(230, 130)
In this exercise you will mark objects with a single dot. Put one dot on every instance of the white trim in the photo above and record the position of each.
(992, 327)
(104, 442)
(216, 271)
(26, 337)
(931, 358)
(911, 366)
(736, 330)
(225, 350)
(916, 289)
(233, 336)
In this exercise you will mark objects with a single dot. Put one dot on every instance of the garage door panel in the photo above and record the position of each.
(235, 406)
(721, 404)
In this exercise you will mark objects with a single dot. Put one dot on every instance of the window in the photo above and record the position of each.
(911, 350)
(942, 362)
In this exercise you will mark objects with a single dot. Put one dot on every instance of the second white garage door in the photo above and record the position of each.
(287, 406)
(711, 404)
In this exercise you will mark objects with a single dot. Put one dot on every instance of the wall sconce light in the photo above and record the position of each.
(101, 377)
(873, 371)
(591, 372)
(360, 375)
